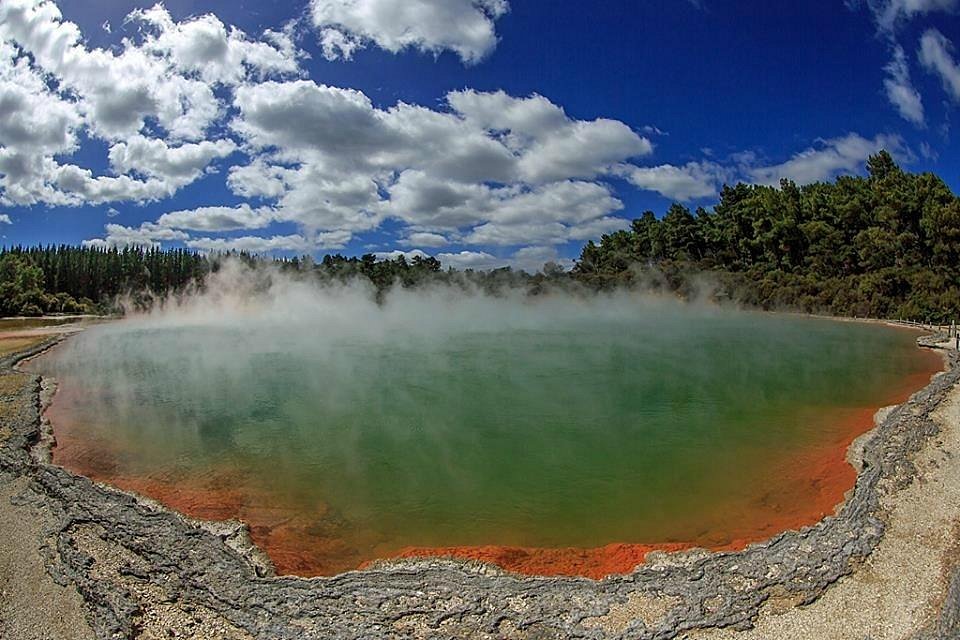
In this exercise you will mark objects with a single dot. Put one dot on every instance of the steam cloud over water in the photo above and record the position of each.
(444, 417)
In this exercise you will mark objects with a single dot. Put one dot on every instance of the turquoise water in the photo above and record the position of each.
(553, 426)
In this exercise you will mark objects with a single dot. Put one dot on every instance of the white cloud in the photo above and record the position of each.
(504, 215)
(426, 239)
(529, 259)
(75, 185)
(890, 14)
(32, 118)
(532, 140)
(936, 55)
(828, 159)
(177, 166)
(117, 91)
(203, 45)
(147, 235)
(332, 160)
(480, 166)
(340, 131)
(218, 218)
(479, 170)
(549, 144)
(900, 90)
(160, 84)
(532, 259)
(465, 27)
(493, 233)
(315, 199)
(583, 150)
(530, 117)
(393, 255)
(688, 182)
(336, 44)
(478, 260)
(303, 117)
(5, 218)
(256, 244)
(35, 125)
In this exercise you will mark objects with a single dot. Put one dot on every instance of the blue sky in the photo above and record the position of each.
(480, 131)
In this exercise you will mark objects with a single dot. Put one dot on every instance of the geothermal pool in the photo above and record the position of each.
(551, 437)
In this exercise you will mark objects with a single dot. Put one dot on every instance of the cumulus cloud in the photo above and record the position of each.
(529, 259)
(256, 244)
(35, 125)
(465, 27)
(117, 91)
(177, 165)
(177, 98)
(332, 160)
(396, 253)
(484, 172)
(493, 233)
(533, 259)
(73, 185)
(218, 218)
(900, 90)
(426, 239)
(205, 46)
(152, 99)
(550, 145)
(551, 213)
(936, 55)
(477, 260)
(5, 218)
(32, 118)
(688, 182)
(829, 158)
(146, 235)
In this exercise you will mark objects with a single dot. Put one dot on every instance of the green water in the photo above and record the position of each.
(554, 426)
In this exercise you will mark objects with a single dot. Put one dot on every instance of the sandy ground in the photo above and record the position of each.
(32, 605)
(19, 334)
(900, 587)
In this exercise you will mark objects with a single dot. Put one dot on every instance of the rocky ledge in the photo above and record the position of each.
(144, 571)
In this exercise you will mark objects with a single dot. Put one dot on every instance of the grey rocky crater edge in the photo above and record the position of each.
(137, 564)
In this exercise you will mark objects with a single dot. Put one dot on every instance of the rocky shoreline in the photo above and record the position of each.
(143, 571)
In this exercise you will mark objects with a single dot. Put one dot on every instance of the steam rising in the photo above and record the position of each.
(444, 416)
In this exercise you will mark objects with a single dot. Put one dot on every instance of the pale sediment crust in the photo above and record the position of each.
(143, 571)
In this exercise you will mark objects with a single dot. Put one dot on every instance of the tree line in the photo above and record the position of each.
(70, 279)
(884, 245)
